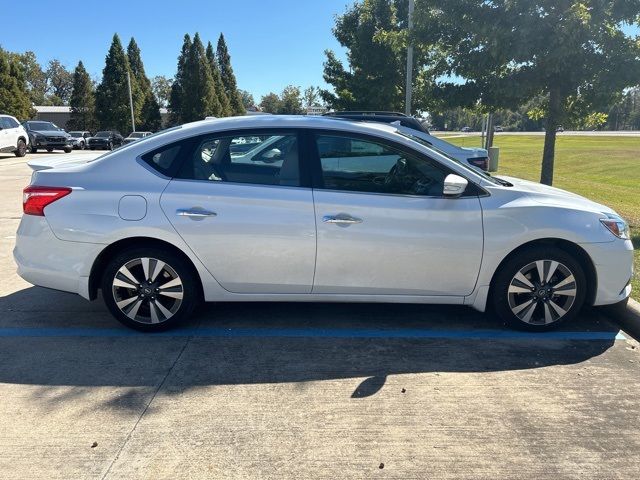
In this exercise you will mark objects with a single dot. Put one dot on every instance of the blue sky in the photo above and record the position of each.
(272, 42)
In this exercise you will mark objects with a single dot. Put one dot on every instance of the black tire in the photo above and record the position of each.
(33, 149)
(110, 147)
(543, 293)
(49, 150)
(68, 150)
(82, 146)
(21, 151)
(185, 272)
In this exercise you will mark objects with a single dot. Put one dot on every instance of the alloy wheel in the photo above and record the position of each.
(542, 292)
(147, 290)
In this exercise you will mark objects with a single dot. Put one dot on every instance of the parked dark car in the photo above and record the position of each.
(106, 140)
(382, 117)
(47, 136)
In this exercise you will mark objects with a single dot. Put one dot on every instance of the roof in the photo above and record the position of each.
(52, 109)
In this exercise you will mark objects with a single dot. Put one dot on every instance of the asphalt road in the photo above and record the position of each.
(305, 391)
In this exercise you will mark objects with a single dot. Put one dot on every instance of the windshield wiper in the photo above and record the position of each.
(502, 182)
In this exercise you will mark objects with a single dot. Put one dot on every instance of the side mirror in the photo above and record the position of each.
(454, 186)
(273, 153)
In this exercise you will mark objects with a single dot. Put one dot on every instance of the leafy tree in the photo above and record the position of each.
(161, 87)
(60, 82)
(112, 95)
(36, 79)
(225, 104)
(270, 103)
(311, 96)
(200, 99)
(178, 87)
(574, 54)
(82, 102)
(247, 99)
(146, 106)
(228, 78)
(290, 101)
(14, 96)
(374, 79)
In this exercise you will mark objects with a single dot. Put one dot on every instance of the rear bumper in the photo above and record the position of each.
(613, 262)
(46, 261)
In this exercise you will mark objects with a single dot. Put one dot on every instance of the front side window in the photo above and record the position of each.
(362, 165)
(270, 159)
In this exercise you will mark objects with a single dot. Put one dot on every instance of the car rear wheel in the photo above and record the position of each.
(539, 289)
(67, 150)
(49, 150)
(21, 151)
(150, 289)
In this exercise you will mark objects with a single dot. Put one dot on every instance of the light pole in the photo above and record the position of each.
(133, 121)
(408, 86)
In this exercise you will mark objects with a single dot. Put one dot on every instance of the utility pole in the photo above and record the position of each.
(133, 121)
(409, 84)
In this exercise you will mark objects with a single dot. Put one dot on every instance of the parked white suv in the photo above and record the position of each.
(13, 136)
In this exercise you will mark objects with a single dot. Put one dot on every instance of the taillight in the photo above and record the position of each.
(482, 163)
(35, 198)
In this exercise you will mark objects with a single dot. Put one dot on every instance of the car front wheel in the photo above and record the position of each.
(539, 289)
(150, 289)
(21, 151)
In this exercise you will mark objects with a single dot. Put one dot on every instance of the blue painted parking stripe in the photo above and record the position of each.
(309, 332)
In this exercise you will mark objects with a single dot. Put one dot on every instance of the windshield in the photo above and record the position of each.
(103, 134)
(477, 171)
(75, 134)
(42, 126)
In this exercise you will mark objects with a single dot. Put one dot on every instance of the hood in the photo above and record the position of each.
(50, 133)
(553, 196)
(59, 161)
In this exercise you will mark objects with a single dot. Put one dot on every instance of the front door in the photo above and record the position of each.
(384, 227)
(238, 203)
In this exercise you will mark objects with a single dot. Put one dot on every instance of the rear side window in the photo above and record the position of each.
(165, 160)
(253, 158)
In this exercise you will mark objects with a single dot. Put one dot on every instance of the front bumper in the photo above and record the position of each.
(47, 261)
(50, 143)
(613, 262)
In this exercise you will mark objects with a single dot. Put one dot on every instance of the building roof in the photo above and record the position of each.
(52, 109)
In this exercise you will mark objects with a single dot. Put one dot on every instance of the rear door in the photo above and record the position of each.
(240, 203)
(384, 227)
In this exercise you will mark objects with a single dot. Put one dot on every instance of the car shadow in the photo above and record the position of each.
(51, 339)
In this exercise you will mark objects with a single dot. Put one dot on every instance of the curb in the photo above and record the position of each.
(625, 314)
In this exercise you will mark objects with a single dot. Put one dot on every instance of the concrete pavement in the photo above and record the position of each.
(305, 390)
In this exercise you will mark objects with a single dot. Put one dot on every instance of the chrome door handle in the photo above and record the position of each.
(341, 219)
(195, 213)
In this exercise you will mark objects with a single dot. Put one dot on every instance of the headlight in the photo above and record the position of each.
(616, 225)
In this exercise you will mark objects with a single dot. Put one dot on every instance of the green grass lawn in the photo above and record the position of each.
(604, 169)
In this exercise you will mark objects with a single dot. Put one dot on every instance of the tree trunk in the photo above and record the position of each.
(554, 115)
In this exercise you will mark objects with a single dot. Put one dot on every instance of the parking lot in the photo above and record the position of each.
(304, 390)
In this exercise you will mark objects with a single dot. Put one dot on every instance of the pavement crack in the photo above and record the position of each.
(144, 411)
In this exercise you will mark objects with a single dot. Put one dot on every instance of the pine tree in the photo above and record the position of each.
(177, 88)
(83, 103)
(199, 99)
(112, 95)
(225, 105)
(146, 108)
(14, 96)
(228, 78)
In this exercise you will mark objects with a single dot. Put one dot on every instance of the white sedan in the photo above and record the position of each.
(278, 208)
